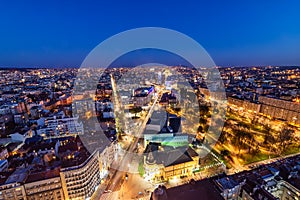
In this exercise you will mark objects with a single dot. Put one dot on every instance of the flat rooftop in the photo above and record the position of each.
(204, 190)
(43, 175)
(19, 176)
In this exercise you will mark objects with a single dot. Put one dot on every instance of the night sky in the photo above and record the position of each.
(59, 34)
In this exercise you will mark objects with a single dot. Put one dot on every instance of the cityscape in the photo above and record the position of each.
(150, 137)
(150, 100)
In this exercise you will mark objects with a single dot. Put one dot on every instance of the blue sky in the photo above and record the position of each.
(54, 33)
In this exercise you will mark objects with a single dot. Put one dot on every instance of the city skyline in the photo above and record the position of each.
(150, 100)
(147, 132)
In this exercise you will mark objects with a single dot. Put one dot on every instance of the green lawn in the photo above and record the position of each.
(141, 168)
(248, 158)
(225, 160)
(291, 150)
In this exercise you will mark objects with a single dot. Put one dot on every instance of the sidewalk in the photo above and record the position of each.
(109, 196)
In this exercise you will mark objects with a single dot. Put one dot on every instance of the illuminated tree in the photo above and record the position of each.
(135, 110)
(285, 137)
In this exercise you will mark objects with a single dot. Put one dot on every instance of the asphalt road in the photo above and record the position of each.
(129, 157)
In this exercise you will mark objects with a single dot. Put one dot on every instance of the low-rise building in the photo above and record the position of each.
(194, 190)
(161, 164)
(289, 192)
(3, 165)
(3, 153)
(229, 188)
(142, 96)
(60, 126)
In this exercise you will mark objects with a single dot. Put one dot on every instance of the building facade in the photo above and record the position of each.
(13, 191)
(44, 189)
(80, 182)
(162, 166)
(62, 126)
(271, 107)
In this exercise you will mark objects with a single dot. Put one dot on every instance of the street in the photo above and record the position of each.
(134, 186)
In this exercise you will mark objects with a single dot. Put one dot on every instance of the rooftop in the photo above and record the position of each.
(19, 176)
(226, 183)
(43, 175)
(204, 190)
(172, 156)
